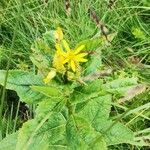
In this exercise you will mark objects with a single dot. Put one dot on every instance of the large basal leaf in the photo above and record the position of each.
(9, 143)
(80, 135)
(95, 108)
(48, 127)
(114, 133)
(25, 140)
(73, 138)
(20, 81)
(19, 77)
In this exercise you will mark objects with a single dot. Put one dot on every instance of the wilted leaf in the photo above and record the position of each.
(132, 92)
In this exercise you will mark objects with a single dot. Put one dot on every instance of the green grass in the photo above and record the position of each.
(22, 22)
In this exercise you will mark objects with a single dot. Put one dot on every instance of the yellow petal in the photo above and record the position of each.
(81, 60)
(81, 55)
(65, 60)
(66, 45)
(57, 46)
(73, 66)
(79, 49)
(50, 76)
(59, 50)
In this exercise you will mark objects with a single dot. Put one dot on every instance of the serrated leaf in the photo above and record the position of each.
(79, 97)
(94, 86)
(73, 138)
(49, 38)
(95, 108)
(121, 82)
(114, 133)
(126, 88)
(80, 135)
(88, 134)
(94, 63)
(19, 77)
(20, 81)
(41, 131)
(39, 56)
(37, 143)
(96, 41)
(132, 92)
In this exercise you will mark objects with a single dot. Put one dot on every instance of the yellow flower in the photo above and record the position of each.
(59, 59)
(72, 57)
(50, 76)
(58, 34)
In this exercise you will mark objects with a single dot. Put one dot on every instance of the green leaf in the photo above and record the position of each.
(94, 86)
(9, 142)
(96, 41)
(49, 38)
(19, 77)
(91, 44)
(48, 91)
(73, 138)
(80, 135)
(25, 142)
(120, 86)
(95, 108)
(46, 129)
(114, 134)
(94, 63)
(40, 56)
(20, 81)
(121, 82)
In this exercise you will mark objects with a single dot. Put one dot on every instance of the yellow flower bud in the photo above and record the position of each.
(50, 76)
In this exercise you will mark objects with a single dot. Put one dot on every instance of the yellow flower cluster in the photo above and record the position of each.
(65, 59)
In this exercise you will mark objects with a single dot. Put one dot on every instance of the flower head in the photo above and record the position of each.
(66, 60)
(59, 59)
(72, 57)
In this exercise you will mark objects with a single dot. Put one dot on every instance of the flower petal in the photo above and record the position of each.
(65, 60)
(81, 60)
(57, 46)
(78, 49)
(59, 50)
(81, 55)
(66, 45)
(73, 66)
